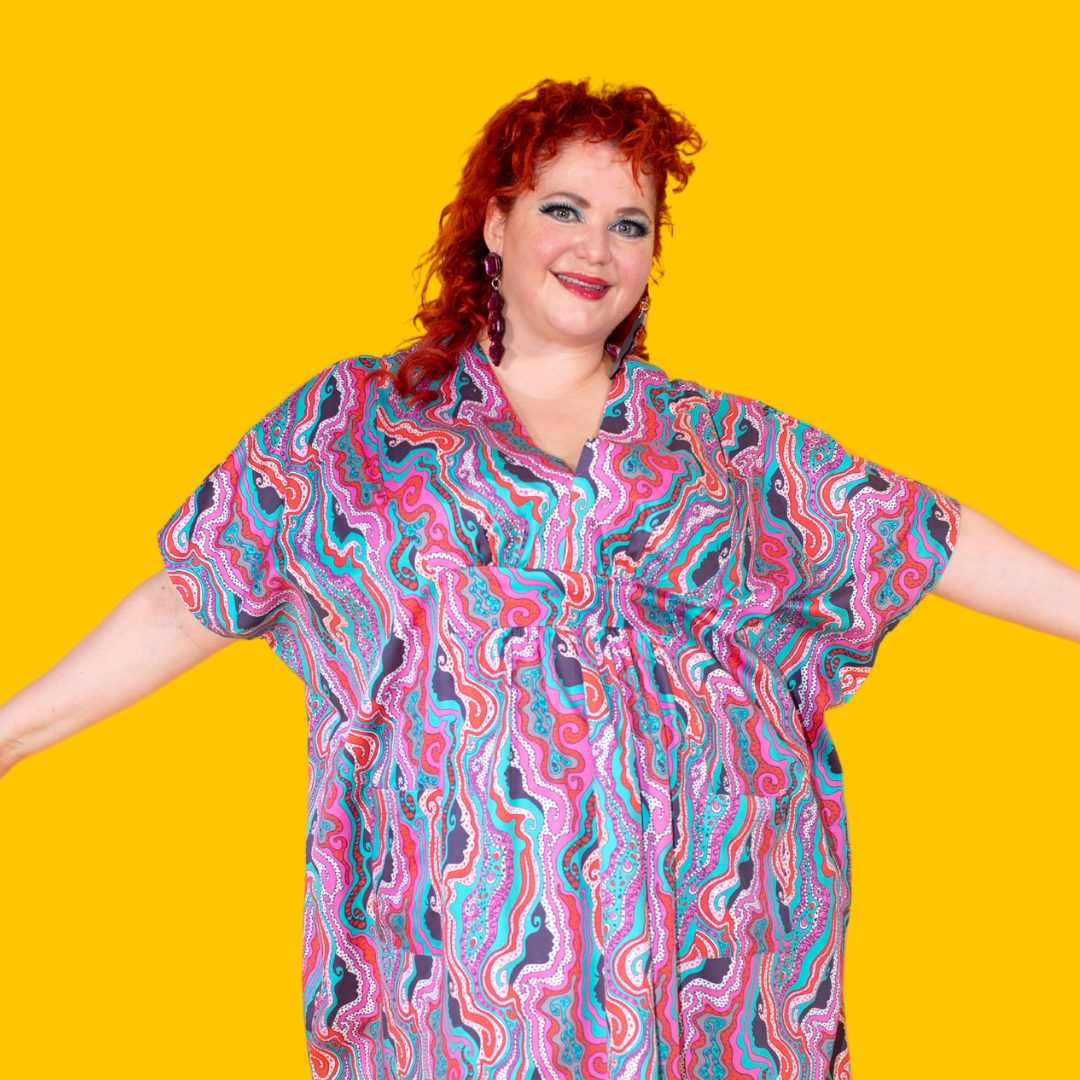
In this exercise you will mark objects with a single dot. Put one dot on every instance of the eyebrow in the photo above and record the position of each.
(581, 201)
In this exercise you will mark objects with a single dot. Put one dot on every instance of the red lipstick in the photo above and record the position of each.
(588, 288)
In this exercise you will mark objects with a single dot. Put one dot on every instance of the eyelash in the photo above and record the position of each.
(641, 229)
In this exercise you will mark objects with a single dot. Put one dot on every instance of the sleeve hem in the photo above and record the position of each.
(189, 589)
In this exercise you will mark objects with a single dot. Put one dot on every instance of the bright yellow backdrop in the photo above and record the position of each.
(207, 203)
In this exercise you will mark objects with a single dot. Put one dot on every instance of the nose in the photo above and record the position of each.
(594, 244)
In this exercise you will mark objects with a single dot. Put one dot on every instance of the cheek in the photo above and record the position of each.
(636, 265)
(530, 258)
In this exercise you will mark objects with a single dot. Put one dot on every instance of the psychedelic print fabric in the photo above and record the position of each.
(574, 810)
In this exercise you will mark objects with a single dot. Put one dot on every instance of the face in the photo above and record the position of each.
(576, 249)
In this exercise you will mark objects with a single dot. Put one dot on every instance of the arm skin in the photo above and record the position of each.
(995, 572)
(148, 639)
(151, 637)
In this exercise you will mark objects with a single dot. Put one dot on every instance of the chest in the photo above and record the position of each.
(651, 498)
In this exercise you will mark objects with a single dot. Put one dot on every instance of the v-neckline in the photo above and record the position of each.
(502, 410)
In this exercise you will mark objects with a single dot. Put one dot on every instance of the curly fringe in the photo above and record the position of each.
(514, 145)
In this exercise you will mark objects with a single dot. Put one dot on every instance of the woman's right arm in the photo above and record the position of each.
(148, 639)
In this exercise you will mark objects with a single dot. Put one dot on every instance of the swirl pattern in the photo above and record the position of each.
(574, 810)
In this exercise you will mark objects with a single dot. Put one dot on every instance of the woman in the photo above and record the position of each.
(569, 630)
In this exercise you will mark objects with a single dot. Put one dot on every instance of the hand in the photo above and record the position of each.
(997, 573)
(148, 639)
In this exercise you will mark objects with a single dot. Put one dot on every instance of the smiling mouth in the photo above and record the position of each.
(591, 288)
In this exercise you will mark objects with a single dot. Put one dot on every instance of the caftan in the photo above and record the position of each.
(574, 810)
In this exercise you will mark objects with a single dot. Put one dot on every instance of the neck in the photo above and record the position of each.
(558, 393)
(553, 370)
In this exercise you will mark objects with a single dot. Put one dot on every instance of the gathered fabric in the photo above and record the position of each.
(574, 809)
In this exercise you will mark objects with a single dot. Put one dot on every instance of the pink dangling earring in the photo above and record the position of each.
(495, 324)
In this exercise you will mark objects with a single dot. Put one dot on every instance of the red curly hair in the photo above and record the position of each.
(506, 160)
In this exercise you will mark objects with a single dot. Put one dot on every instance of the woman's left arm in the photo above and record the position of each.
(997, 573)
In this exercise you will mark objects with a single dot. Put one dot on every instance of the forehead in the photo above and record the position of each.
(598, 171)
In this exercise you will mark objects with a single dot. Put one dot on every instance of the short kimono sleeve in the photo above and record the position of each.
(839, 550)
(223, 549)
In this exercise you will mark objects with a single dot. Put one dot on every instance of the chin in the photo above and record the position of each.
(581, 331)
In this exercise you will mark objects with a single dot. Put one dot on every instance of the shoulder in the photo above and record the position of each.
(746, 429)
(343, 387)
(354, 373)
(721, 404)
(757, 441)
(341, 395)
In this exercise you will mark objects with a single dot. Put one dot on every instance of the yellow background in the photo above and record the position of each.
(207, 203)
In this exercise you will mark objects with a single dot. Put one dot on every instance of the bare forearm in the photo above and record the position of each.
(995, 572)
(148, 639)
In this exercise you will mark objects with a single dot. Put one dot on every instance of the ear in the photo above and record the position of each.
(494, 224)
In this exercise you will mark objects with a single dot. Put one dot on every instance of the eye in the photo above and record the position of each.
(561, 212)
(630, 228)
